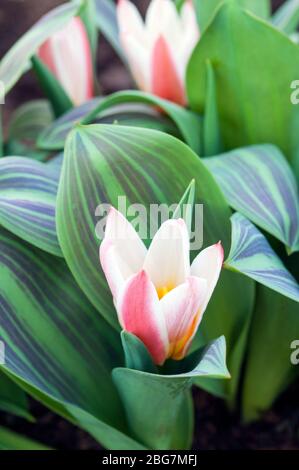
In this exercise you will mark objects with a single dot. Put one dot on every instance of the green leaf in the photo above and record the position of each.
(15, 62)
(211, 131)
(52, 88)
(186, 206)
(57, 347)
(53, 137)
(10, 440)
(252, 255)
(152, 401)
(258, 182)
(188, 123)
(228, 313)
(136, 114)
(110, 437)
(27, 201)
(269, 370)
(206, 9)
(286, 17)
(238, 46)
(88, 16)
(29, 120)
(107, 23)
(103, 162)
(26, 123)
(136, 354)
(13, 399)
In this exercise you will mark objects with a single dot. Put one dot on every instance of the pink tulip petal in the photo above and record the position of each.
(167, 260)
(182, 308)
(140, 313)
(165, 78)
(122, 252)
(207, 265)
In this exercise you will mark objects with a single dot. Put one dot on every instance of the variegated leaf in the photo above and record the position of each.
(135, 114)
(258, 182)
(27, 201)
(252, 255)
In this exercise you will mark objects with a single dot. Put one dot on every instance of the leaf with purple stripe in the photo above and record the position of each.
(27, 201)
(129, 108)
(57, 347)
(258, 182)
(251, 254)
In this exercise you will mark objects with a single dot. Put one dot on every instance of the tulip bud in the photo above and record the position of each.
(67, 54)
(158, 49)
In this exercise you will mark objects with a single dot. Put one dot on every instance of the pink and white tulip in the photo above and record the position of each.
(159, 49)
(67, 54)
(158, 296)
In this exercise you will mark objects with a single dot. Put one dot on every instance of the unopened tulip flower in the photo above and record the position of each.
(158, 49)
(158, 296)
(67, 54)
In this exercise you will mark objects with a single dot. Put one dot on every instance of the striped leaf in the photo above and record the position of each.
(15, 62)
(126, 114)
(53, 138)
(252, 255)
(56, 345)
(107, 23)
(103, 162)
(243, 81)
(27, 201)
(152, 401)
(258, 182)
(286, 17)
(188, 123)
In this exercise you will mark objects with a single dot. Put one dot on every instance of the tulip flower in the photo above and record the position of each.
(67, 54)
(158, 296)
(158, 49)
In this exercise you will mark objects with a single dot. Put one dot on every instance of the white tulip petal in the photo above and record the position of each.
(129, 18)
(207, 265)
(167, 260)
(122, 252)
(139, 60)
(162, 18)
(182, 309)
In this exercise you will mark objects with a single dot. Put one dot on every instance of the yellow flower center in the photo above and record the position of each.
(161, 291)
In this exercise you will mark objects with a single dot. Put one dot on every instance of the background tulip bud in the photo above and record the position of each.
(158, 49)
(67, 54)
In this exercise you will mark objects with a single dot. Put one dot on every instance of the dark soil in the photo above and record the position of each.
(216, 428)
